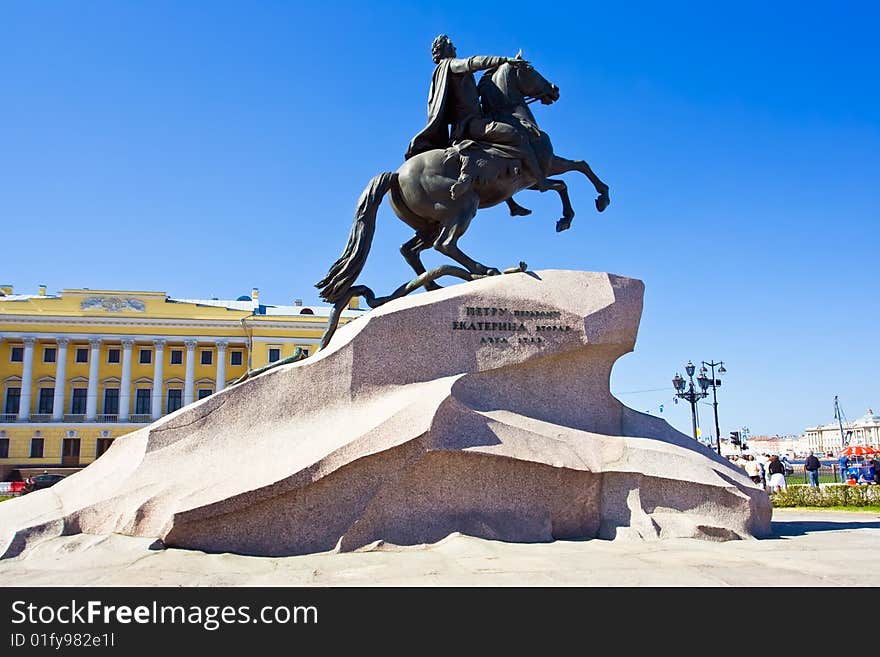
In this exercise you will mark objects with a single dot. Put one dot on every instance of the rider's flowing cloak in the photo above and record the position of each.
(436, 133)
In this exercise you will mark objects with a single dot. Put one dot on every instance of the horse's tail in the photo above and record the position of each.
(347, 268)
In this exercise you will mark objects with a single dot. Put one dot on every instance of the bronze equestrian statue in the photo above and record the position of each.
(493, 150)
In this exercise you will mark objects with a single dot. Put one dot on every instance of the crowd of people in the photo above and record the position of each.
(858, 472)
(770, 470)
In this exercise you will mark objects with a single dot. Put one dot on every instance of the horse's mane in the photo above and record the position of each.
(491, 97)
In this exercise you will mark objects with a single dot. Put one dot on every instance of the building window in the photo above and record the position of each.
(70, 451)
(145, 356)
(175, 399)
(177, 356)
(16, 354)
(113, 355)
(82, 355)
(44, 405)
(78, 401)
(36, 448)
(13, 397)
(305, 352)
(274, 354)
(207, 357)
(205, 392)
(235, 357)
(102, 445)
(142, 401)
(4, 448)
(49, 354)
(111, 401)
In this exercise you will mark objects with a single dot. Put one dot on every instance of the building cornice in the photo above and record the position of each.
(253, 320)
(56, 425)
(238, 340)
(82, 292)
(232, 342)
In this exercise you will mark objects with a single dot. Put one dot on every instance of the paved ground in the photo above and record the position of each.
(809, 548)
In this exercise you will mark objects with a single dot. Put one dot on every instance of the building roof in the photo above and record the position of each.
(869, 419)
(317, 311)
(270, 310)
(243, 303)
(218, 303)
(26, 297)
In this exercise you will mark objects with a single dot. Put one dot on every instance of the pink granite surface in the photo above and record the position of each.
(482, 408)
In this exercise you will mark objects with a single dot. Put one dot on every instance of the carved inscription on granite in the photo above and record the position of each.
(506, 326)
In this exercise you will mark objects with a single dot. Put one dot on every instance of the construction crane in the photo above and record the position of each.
(840, 417)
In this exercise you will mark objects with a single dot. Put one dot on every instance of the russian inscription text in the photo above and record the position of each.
(509, 323)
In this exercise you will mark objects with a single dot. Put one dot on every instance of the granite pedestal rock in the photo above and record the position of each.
(481, 408)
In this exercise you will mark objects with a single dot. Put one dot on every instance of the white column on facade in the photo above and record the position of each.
(190, 381)
(221, 365)
(159, 361)
(92, 394)
(27, 373)
(60, 379)
(125, 386)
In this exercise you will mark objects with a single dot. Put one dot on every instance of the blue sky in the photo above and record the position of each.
(204, 148)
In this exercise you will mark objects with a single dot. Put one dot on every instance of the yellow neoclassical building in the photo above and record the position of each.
(82, 367)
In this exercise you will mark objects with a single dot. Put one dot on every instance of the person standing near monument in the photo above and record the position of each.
(789, 469)
(454, 101)
(763, 460)
(776, 470)
(843, 464)
(753, 469)
(811, 466)
(870, 472)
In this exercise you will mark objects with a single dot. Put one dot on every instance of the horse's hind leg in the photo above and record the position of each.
(516, 210)
(561, 188)
(411, 250)
(447, 242)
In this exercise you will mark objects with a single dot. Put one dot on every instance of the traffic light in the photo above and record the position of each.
(734, 438)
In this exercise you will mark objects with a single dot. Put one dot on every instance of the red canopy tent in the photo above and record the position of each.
(861, 471)
(858, 450)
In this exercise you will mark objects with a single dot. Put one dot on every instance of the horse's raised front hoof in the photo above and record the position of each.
(602, 201)
(563, 224)
(519, 211)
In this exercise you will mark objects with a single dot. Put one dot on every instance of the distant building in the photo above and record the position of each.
(83, 367)
(826, 438)
(790, 444)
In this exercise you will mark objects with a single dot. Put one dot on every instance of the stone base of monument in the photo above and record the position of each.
(481, 408)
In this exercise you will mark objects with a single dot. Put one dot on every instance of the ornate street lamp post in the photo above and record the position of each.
(687, 390)
(714, 383)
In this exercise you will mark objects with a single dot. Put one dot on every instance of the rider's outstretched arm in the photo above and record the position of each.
(477, 63)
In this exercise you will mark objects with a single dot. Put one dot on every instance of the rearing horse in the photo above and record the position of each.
(420, 188)
(506, 94)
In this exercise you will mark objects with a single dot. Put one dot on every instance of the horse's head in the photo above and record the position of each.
(511, 86)
(533, 85)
